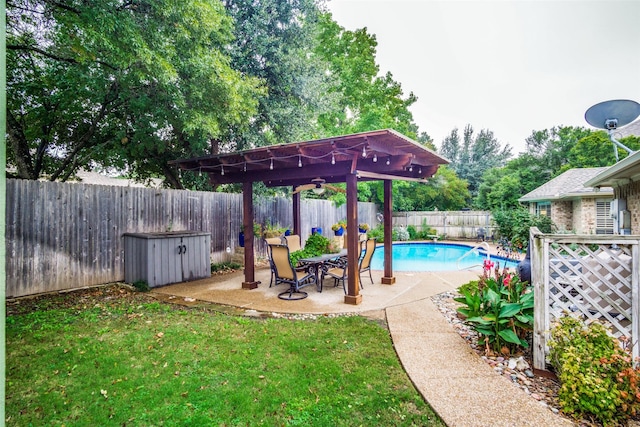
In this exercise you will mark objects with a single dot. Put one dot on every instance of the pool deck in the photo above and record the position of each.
(459, 386)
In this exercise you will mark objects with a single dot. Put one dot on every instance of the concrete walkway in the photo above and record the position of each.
(459, 386)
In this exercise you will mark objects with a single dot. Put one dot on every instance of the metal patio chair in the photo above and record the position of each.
(285, 272)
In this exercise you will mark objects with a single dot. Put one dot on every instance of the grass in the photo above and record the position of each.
(129, 360)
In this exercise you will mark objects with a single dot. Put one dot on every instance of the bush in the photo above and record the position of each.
(499, 308)
(141, 285)
(225, 267)
(400, 233)
(377, 233)
(315, 245)
(413, 233)
(596, 374)
(514, 225)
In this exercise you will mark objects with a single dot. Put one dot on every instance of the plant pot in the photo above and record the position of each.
(287, 232)
(241, 239)
(362, 230)
(339, 231)
(316, 230)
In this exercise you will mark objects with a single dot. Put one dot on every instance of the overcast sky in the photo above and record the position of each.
(508, 66)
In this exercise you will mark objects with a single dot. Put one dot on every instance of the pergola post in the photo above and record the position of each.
(247, 222)
(387, 212)
(296, 214)
(353, 249)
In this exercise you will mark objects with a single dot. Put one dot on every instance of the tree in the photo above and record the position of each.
(130, 85)
(551, 147)
(366, 100)
(472, 156)
(597, 150)
(502, 187)
(275, 40)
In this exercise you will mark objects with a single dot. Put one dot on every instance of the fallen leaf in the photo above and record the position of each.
(104, 393)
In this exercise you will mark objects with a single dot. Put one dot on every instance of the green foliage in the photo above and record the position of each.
(500, 310)
(377, 233)
(225, 267)
(141, 285)
(126, 85)
(514, 225)
(400, 234)
(367, 98)
(413, 233)
(315, 245)
(596, 374)
(475, 154)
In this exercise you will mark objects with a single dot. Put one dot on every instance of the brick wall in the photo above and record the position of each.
(562, 215)
(631, 192)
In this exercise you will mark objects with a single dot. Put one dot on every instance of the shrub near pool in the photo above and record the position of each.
(128, 360)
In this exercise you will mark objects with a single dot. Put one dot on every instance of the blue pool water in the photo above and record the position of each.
(435, 257)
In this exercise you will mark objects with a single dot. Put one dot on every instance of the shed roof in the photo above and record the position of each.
(568, 185)
(380, 154)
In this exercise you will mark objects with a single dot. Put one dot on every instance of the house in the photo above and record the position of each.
(572, 205)
(624, 178)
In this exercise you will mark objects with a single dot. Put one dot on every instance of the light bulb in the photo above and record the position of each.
(410, 168)
(333, 159)
(318, 190)
(364, 151)
(388, 161)
(271, 164)
(244, 167)
(375, 158)
(222, 170)
(299, 161)
(420, 170)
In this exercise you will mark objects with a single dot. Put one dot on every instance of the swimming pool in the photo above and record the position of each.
(435, 257)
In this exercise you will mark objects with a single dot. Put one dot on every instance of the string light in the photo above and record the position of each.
(222, 170)
(364, 151)
(271, 164)
(388, 161)
(299, 160)
(410, 168)
(375, 158)
(333, 159)
(244, 167)
(420, 170)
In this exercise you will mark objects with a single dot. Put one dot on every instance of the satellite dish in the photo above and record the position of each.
(610, 115)
(613, 114)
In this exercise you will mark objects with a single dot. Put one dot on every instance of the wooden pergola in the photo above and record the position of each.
(377, 155)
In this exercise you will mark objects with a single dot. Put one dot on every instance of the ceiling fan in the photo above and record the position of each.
(318, 185)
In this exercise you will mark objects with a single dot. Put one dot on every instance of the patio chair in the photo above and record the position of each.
(293, 241)
(272, 241)
(296, 278)
(337, 270)
(365, 261)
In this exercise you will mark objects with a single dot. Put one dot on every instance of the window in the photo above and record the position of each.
(604, 220)
(543, 208)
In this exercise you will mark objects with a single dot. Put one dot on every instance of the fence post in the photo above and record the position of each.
(539, 284)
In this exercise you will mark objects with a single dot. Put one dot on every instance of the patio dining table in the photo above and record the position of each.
(317, 264)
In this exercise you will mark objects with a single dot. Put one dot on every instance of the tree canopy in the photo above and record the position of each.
(474, 154)
(127, 85)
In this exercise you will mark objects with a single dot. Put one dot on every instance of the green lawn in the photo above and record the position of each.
(129, 360)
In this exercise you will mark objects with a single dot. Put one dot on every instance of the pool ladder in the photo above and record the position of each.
(487, 248)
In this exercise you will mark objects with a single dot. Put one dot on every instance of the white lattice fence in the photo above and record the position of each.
(595, 277)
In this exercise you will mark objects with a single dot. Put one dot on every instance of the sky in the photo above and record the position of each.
(511, 67)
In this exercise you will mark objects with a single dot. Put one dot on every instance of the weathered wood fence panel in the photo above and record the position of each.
(595, 277)
(452, 224)
(62, 236)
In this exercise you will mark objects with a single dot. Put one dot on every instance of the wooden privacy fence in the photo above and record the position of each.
(595, 277)
(63, 236)
(452, 224)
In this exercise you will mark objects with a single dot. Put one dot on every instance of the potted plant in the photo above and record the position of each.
(363, 227)
(271, 230)
(339, 227)
(316, 230)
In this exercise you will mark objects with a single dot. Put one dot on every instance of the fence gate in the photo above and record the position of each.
(592, 276)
